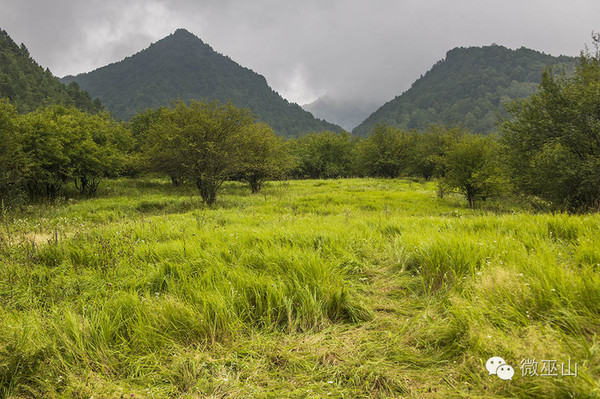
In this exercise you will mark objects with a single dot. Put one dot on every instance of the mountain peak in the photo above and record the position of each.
(181, 35)
(181, 66)
(181, 32)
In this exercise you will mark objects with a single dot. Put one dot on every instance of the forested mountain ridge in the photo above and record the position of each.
(468, 88)
(29, 86)
(182, 66)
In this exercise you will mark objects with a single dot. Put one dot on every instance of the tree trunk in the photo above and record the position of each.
(471, 198)
(81, 184)
(175, 181)
(255, 183)
(208, 190)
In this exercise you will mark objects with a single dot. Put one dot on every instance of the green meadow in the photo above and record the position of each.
(350, 288)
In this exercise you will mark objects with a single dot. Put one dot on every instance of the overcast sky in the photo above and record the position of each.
(350, 49)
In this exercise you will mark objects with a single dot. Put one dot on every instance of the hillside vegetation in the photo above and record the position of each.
(469, 89)
(345, 288)
(181, 66)
(547, 155)
(29, 86)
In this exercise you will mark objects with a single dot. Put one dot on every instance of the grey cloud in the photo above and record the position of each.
(362, 51)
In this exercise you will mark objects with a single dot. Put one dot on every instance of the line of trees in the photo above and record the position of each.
(549, 149)
(459, 160)
(209, 143)
(43, 150)
(206, 144)
(203, 143)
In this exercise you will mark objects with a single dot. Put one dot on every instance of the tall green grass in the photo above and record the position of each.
(343, 288)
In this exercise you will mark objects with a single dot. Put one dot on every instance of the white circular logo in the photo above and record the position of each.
(497, 366)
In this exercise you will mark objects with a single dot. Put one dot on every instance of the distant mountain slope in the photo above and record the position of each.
(346, 113)
(468, 88)
(28, 86)
(181, 66)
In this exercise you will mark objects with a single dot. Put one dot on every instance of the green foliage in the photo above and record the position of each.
(11, 156)
(63, 144)
(385, 153)
(158, 145)
(468, 89)
(554, 137)
(469, 163)
(138, 161)
(264, 156)
(429, 148)
(206, 143)
(323, 155)
(392, 152)
(462, 161)
(473, 165)
(28, 86)
(181, 66)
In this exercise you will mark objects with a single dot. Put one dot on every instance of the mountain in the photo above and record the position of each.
(468, 88)
(28, 86)
(181, 66)
(346, 113)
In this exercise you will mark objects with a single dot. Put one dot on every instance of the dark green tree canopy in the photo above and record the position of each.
(553, 139)
(323, 155)
(28, 86)
(208, 143)
(473, 166)
(385, 153)
(467, 89)
(11, 156)
(62, 144)
(264, 156)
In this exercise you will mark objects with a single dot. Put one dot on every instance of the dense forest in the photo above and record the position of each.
(28, 86)
(469, 88)
(181, 66)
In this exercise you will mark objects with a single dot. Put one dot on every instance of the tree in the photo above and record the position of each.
(553, 138)
(46, 139)
(64, 144)
(160, 149)
(264, 155)
(428, 150)
(385, 153)
(100, 150)
(323, 155)
(204, 140)
(11, 155)
(472, 166)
